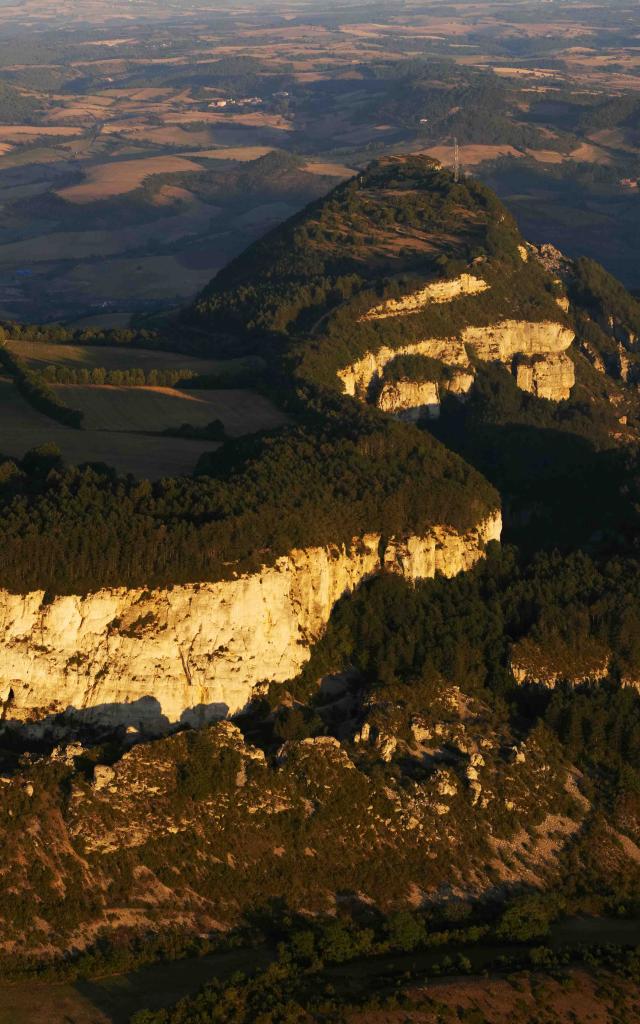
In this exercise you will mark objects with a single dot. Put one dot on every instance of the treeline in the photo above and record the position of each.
(418, 368)
(563, 480)
(137, 377)
(603, 295)
(616, 110)
(15, 107)
(308, 981)
(405, 640)
(37, 392)
(349, 473)
(59, 334)
(213, 431)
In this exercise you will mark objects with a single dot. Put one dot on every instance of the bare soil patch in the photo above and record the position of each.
(546, 156)
(588, 153)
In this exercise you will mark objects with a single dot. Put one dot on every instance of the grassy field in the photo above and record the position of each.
(39, 354)
(114, 179)
(22, 428)
(242, 154)
(155, 408)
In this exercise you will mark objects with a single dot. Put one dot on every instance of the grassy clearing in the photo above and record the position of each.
(156, 408)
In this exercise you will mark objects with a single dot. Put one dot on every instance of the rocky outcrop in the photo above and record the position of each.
(359, 376)
(438, 291)
(548, 663)
(195, 652)
(410, 400)
(550, 376)
(501, 342)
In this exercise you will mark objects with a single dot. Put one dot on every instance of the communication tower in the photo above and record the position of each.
(456, 160)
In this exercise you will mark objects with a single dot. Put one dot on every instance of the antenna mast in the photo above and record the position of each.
(456, 160)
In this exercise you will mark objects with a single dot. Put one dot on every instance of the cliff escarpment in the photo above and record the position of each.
(398, 289)
(534, 351)
(191, 653)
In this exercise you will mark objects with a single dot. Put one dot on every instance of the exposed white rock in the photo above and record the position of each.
(550, 376)
(103, 776)
(460, 383)
(358, 376)
(436, 292)
(204, 646)
(364, 735)
(410, 400)
(530, 664)
(445, 783)
(476, 791)
(420, 732)
(386, 746)
(413, 400)
(501, 342)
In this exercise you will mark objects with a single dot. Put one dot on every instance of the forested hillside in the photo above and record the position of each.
(480, 734)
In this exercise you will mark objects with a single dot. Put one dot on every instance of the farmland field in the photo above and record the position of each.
(156, 408)
(142, 164)
(39, 354)
(118, 177)
(22, 428)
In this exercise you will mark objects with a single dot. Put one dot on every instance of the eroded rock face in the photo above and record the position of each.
(410, 400)
(550, 376)
(359, 376)
(532, 662)
(195, 652)
(438, 291)
(501, 342)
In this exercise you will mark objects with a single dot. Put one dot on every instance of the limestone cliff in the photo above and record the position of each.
(195, 652)
(410, 400)
(359, 376)
(509, 338)
(551, 374)
(438, 291)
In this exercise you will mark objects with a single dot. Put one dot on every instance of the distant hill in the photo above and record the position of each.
(15, 107)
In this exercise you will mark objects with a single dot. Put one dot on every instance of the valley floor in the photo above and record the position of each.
(598, 998)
